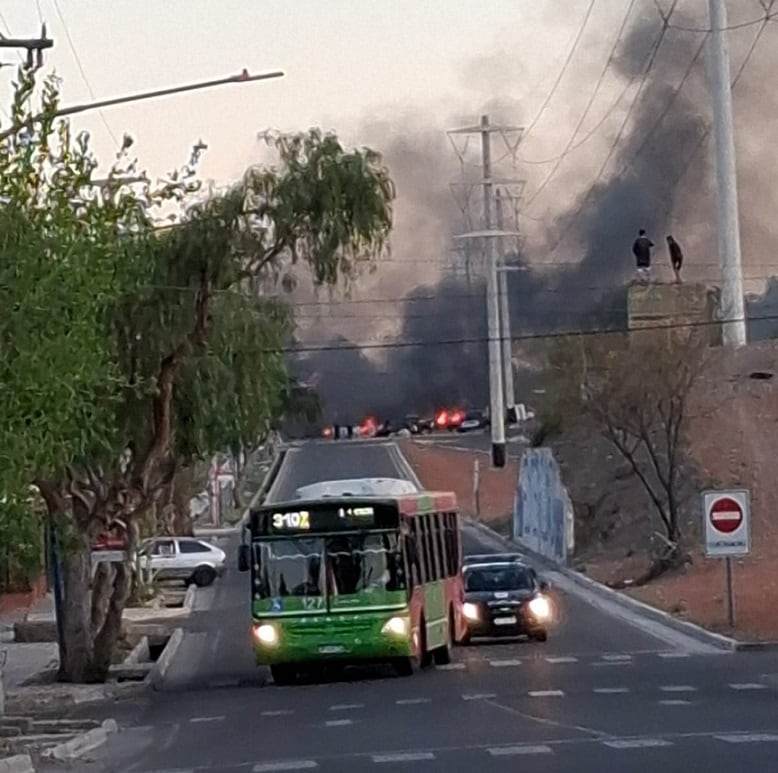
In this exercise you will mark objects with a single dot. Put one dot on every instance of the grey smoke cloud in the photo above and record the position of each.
(580, 282)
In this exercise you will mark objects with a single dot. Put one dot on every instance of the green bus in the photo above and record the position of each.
(354, 579)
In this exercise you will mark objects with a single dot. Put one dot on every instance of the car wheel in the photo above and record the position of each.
(203, 576)
(283, 674)
(540, 635)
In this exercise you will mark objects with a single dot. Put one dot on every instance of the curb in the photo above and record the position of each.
(156, 675)
(189, 599)
(404, 466)
(19, 763)
(83, 744)
(685, 627)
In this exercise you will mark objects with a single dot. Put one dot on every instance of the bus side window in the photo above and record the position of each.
(411, 560)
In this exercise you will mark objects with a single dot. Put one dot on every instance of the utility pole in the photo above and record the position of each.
(734, 330)
(505, 320)
(34, 47)
(488, 236)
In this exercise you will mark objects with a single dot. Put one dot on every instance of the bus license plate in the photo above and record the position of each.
(504, 620)
(331, 649)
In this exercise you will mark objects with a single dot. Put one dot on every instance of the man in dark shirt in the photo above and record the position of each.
(676, 257)
(641, 249)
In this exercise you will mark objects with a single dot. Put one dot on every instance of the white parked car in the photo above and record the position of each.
(185, 558)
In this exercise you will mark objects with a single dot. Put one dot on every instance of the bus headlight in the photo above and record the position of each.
(266, 634)
(398, 626)
(470, 611)
(540, 608)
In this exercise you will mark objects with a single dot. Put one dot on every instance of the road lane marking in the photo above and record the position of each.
(479, 696)
(347, 706)
(412, 701)
(452, 667)
(504, 751)
(272, 767)
(404, 757)
(610, 690)
(675, 702)
(678, 688)
(220, 718)
(616, 658)
(277, 713)
(748, 737)
(637, 743)
(504, 663)
(669, 655)
(749, 686)
(338, 722)
(565, 659)
(546, 693)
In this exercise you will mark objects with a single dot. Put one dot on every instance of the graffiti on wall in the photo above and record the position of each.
(543, 512)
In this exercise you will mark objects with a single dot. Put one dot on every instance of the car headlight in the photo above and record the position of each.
(470, 611)
(540, 608)
(266, 634)
(398, 626)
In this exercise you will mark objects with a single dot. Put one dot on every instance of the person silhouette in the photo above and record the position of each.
(641, 249)
(676, 257)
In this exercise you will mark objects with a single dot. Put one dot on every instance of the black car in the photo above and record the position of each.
(473, 420)
(504, 597)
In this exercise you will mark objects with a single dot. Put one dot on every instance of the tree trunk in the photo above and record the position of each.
(118, 582)
(75, 655)
(183, 525)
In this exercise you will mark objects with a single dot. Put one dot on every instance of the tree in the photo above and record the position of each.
(322, 205)
(636, 389)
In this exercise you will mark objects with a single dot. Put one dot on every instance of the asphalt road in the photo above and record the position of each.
(600, 693)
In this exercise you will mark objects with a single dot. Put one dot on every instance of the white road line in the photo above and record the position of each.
(504, 751)
(452, 667)
(673, 655)
(637, 743)
(610, 690)
(404, 757)
(478, 696)
(504, 663)
(338, 722)
(675, 702)
(347, 706)
(565, 659)
(546, 693)
(277, 713)
(749, 686)
(272, 767)
(412, 701)
(208, 719)
(616, 658)
(748, 738)
(678, 688)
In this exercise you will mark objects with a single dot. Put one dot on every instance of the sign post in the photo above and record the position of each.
(477, 488)
(727, 529)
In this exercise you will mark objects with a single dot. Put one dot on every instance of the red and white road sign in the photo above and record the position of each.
(727, 523)
(726, 515)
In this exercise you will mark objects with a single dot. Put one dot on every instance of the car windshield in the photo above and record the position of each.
(355, 563)
(484, 579)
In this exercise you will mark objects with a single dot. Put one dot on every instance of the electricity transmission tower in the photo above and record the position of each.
(491, 236)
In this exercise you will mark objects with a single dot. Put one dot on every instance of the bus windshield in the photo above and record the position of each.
(334, 571)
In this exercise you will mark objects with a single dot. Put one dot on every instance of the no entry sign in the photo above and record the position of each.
(727, 522)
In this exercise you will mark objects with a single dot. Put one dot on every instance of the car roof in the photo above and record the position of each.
(494, 558)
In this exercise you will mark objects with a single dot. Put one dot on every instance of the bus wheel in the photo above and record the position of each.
(283, 674)
(442, 655)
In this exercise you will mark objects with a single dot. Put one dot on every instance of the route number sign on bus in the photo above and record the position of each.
(727, 522)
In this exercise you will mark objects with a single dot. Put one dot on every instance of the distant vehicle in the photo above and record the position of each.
(356, 487)
(184, 558)
(504, 597)
(348, 579)
(473, 420)
(418, 425)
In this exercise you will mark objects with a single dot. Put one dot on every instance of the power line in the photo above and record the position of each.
(588, 107)
(562, 72)
(615, 330)
(81, 68)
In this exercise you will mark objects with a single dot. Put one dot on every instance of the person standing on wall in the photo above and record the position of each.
(676, 257)
(641, 249)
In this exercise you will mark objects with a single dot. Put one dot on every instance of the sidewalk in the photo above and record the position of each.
(24, 660)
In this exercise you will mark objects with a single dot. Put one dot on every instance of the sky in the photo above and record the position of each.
(342, 59)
